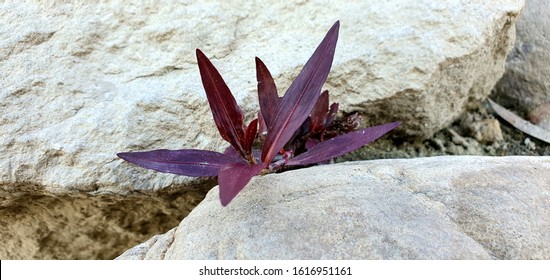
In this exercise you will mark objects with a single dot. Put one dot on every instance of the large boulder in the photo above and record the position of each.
(526, 83)
(448, 207)
(81, 82)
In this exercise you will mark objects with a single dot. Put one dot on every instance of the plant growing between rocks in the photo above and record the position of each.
(297, 129)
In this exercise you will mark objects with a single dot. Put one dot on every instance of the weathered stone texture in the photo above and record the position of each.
(449, 207)
(81, 82)
(526, 84)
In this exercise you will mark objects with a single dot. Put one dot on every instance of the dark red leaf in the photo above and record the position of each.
(342, 144)
(189, 162)
(227, 114)
(262, 130)
(267, 93)
(319, 113)
(331, 114)
(250, 135)
(233, 178)
(301, 96)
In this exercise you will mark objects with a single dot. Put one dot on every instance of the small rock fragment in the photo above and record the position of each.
(541, 116)
(487, 131)
(530, 144)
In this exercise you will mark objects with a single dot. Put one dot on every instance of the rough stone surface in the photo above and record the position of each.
(540, 116)
(81, 82)
(94, 227)
(449, 207)
(485, 131)
(525, 84)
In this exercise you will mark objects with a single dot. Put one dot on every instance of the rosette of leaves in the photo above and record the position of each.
(297, 129)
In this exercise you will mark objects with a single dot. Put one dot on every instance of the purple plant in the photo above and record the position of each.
(297, 129)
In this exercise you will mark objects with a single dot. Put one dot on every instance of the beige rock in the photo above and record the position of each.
(81, 82)
(84, 82)
(448, 207)
(525, 84)
(87, 227)
(487, 131)
(540, 116)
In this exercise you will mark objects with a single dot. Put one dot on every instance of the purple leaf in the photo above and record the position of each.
(188, 162)
(230, 151)
(301, 96)
(319, 113)
(250, 135)
(342, 144)
(227, 114)
(311, 142)
(233, 178)
(267, 93)
(262, 130)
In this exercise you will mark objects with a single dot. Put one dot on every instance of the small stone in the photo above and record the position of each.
(487, 131)
(530, 144)
(541, 116)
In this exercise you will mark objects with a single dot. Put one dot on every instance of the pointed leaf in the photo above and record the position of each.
(341, 145)
(301, 96)
(521, 124)
(331, 114)
(234, 177)
(250, 135)
(319, 112)
(188, 162)
(227, 114)
(262, 130)
(267, 93)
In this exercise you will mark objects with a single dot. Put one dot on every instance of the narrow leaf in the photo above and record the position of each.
(250, 135)
(301, 96)
(234, 177)
(262, 130)
(521, 124)
(267, 93)
(341, 145)
(319, 112)
(331, 114)
(189, 162)
(227, 114)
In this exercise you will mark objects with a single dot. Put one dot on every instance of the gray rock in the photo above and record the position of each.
(83, 82)
(525, 84)
(448, 207)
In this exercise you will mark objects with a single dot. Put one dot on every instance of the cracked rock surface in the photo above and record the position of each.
(450, 207)
(82, 82)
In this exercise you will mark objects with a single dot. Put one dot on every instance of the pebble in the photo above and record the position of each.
(540, 116)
